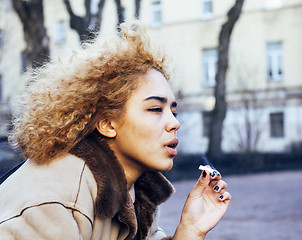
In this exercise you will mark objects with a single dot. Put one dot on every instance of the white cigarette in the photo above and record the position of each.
(209, 169)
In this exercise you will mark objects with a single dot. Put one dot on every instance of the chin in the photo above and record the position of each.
(167, 167)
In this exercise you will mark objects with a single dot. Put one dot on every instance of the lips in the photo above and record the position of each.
(171, 146)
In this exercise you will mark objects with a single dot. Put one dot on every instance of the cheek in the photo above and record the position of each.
(145, 130)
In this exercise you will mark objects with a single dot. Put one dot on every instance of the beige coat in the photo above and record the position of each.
(76, 198)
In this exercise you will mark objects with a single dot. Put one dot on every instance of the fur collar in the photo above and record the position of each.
(113, 199)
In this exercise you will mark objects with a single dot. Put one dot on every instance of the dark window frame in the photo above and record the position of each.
(2, 36)
(24, 56)
(1, 87)
(206, 119)
(274, 61)
(277, 125)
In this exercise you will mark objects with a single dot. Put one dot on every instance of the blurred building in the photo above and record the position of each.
(264, 79)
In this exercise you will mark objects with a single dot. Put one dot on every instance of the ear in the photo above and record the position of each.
(106, 128)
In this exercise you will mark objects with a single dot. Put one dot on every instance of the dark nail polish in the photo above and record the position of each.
(212, 174)
(216, 188)
(204, 173)
(221, 197)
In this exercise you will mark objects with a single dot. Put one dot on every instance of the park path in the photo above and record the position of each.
(264, 206)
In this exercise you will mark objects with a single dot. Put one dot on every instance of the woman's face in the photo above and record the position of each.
(146, 134)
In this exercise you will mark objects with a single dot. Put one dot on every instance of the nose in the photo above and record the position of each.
(172, 123)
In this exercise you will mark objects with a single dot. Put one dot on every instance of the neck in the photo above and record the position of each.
(131, 173)
(133, 170)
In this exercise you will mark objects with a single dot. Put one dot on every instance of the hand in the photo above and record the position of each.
(204, 207)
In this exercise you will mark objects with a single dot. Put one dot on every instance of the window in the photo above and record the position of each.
(1, 96)
(24, 61)
(277, 125)
(1, 38)
(207, 8)
(156, 14)
(206, 119)
(60, 31)
(272, 4)
(209, 66)
(274, 61)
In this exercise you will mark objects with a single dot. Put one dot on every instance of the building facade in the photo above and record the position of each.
(264, 78)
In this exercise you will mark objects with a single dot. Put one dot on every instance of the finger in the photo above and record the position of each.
(220, 187)
(222, 191)
(214, 180)
(213, 172)
(226, 198)
(201, 185)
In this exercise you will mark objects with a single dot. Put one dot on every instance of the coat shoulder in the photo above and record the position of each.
(62, 181)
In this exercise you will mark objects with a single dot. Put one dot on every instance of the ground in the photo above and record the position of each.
(263, 207)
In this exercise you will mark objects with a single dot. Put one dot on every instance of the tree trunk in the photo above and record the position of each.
(220, 108)
(86, 26)
(37, 41)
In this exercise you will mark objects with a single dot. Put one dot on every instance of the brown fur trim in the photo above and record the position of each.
(151, 189)
(107, 171)
(113, 200)
(127, 216)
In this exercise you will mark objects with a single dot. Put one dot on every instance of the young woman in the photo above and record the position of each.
(96, 132)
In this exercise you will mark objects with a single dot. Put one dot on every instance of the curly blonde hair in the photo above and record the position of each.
(66, 101)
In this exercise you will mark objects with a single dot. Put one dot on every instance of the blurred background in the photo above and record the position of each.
(237, 77)
(236, 68)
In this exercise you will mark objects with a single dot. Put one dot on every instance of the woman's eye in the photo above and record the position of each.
(155, 109)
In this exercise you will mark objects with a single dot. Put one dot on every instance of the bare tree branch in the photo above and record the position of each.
(100, 14)
(85, 26)
(120, 13)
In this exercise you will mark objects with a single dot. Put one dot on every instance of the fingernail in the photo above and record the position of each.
(212, 174)
(204, 173)
(221, 197)
(216, 188)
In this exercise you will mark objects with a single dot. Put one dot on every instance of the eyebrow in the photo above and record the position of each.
(161, 99)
